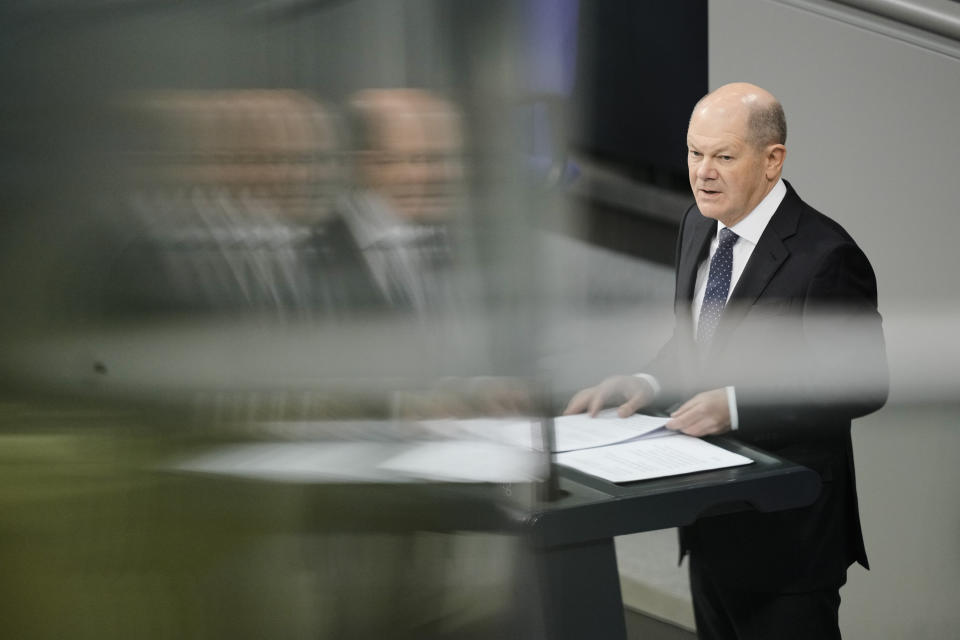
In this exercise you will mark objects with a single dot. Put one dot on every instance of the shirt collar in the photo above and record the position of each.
(370, 218)
(752, 225)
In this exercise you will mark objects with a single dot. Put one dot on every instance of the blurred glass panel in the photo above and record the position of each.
(260, 261)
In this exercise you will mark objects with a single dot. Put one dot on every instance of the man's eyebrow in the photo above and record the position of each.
(724, 150)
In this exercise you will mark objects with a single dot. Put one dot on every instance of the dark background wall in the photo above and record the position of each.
(640, 69)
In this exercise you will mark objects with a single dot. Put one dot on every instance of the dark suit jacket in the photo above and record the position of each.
(801, 340)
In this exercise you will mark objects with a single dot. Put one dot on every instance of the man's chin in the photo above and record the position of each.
(708, 209)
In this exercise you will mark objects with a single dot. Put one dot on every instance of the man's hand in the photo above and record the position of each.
(705, 414)
(634, 392)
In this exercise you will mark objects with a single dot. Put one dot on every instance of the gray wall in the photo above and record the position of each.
(874, 142)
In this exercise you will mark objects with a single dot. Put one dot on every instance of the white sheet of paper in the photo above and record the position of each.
(468, 461)
(518, 432)
(301, 462)
(358, 462)
(651, 458)
(580, 431)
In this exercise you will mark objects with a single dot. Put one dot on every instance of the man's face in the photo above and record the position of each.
(416, 165)
(727, 173)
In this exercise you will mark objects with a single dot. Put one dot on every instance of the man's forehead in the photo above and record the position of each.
(722, 138)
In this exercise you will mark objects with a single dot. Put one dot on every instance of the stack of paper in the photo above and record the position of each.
(583, 432)
(617, 449)
(629, 449)
(651, 458)
(571, 432)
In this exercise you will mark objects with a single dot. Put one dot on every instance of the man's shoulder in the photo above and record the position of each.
(814, 225)
(692, 217)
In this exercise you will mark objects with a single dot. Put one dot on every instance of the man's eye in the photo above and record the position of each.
(695, 154)
(726, 157)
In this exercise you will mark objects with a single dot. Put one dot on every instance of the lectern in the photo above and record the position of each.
(572, 535)
(569, 562)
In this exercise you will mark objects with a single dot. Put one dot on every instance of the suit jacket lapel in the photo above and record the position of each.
(767, 258)
(698, 230)
(692, 254)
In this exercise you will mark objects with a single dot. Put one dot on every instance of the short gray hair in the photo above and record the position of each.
(766, 125)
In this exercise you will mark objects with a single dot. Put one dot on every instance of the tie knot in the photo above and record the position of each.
(728, 238)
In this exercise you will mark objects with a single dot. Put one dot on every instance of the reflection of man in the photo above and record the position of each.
(227, 188)
(408, 178)
(409, 150)
(777, 339)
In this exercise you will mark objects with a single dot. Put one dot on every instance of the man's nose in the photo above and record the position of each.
(706, 170)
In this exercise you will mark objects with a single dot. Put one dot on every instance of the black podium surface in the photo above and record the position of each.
(572, 535)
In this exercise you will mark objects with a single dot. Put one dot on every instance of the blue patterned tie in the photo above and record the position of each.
(718, 286)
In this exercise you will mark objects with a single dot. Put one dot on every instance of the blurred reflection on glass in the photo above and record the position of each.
(228, 307)
(252, 201)
(391, 233)
(228, 188)
(409, 146)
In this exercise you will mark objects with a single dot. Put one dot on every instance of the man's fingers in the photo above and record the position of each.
(683, 416)
(596, 403)
(578, 403)
(686, 407)
(700, 429)
(572, 408)
(688, 428)
(590, 400)
(679, 411)
(631, 406)
(675, 424)
(694, 424)
(683, 421)
(635, 393)
(696, 428)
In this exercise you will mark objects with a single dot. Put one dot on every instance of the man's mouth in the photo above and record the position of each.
(709, 192)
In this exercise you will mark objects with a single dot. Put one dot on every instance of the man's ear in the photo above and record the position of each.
(776, 153)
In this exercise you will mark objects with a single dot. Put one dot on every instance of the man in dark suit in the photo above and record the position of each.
(778, 342)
